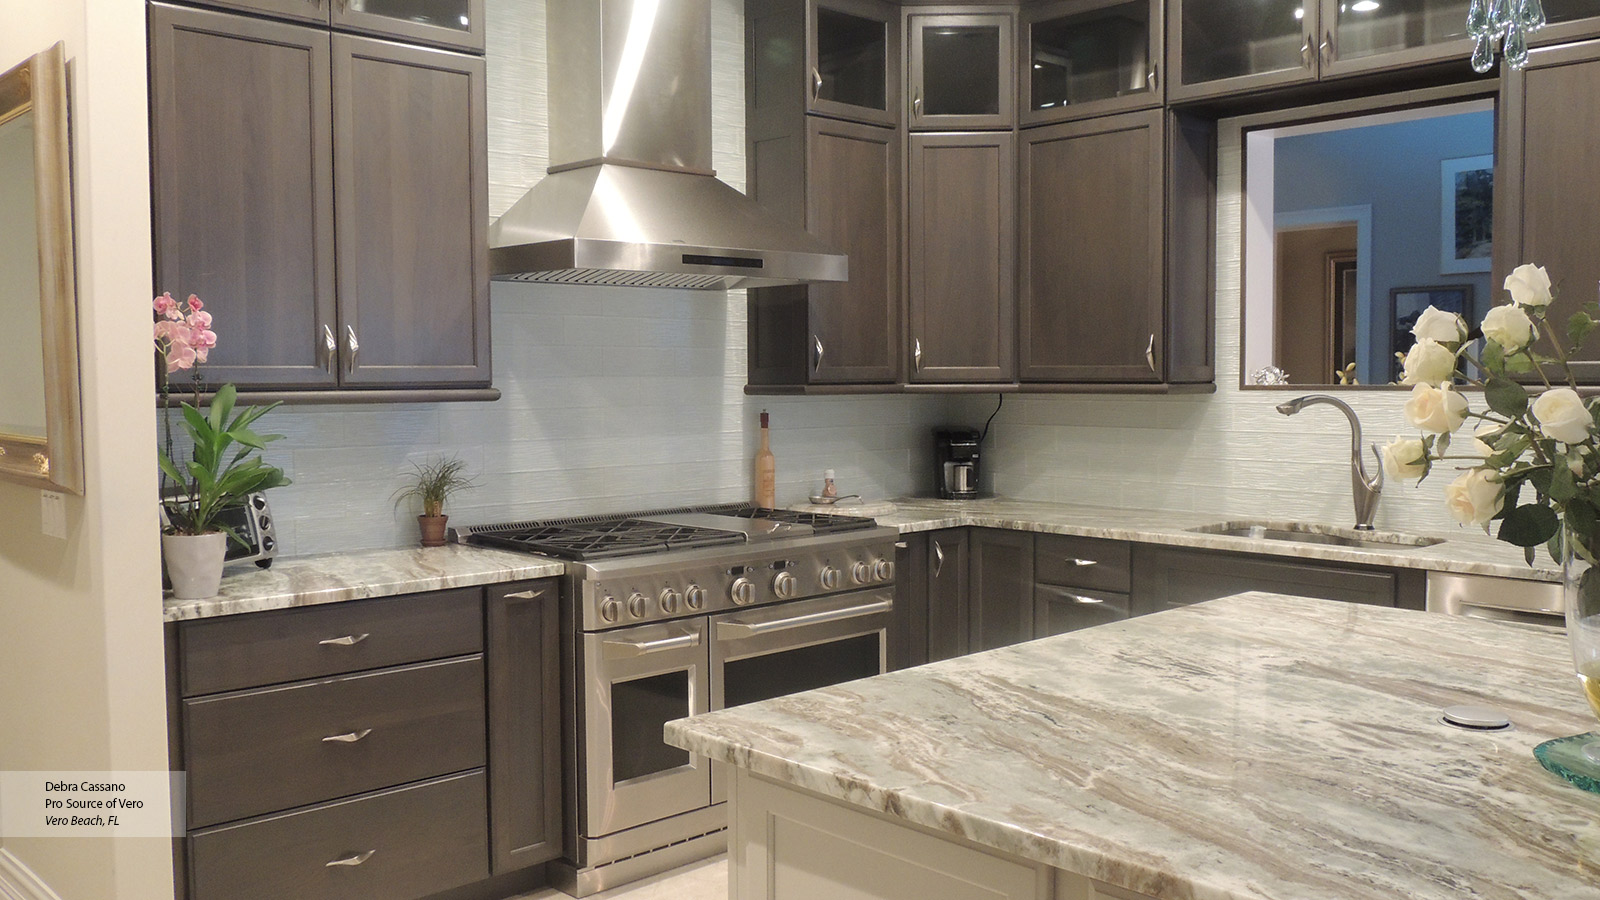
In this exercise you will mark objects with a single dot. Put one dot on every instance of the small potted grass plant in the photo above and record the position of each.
(432, 484)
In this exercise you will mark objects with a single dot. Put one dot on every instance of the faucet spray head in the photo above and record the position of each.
(1293, 406)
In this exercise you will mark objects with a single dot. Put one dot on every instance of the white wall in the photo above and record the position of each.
(614, 398)
(81, 684)
(1227, 454)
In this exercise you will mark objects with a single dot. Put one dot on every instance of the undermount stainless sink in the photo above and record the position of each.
(1313, 533)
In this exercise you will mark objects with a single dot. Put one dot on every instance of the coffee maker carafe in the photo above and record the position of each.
(955, 463)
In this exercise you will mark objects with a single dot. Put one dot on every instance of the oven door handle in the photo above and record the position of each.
(616, 648)
(735, 629)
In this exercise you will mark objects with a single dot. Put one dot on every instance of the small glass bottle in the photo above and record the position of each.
(828, 490)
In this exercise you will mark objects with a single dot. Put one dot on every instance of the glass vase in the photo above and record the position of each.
(1581, 593)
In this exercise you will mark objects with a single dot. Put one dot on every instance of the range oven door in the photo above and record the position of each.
(638, 680)
(792, 647)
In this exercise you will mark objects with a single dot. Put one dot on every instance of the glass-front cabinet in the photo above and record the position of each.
(853, 60)
(445, 23)
(1362, 35)
(1224, 46)
(960, 71)
(1090, 57)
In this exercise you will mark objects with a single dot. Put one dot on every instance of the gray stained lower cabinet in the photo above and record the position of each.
(947, 594)
(1169, 577)
(909, 646)
(524, 724)
(1093, 221)
(1545, 212)
(1001, 604)
(961, 258)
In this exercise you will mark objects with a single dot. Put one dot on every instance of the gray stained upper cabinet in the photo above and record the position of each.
(457, 24)
(852, 58)
(1089, 57)
(326, 195)
(961, 255)
(1545, 212)
(959, 69)
(1115, 250)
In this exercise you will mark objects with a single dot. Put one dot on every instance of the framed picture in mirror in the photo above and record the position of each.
(1466, 213)
(1406, 304)
(40, 409)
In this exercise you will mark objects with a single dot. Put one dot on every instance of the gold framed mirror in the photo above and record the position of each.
(41, 425)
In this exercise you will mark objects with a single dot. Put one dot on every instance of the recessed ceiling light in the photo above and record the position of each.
(1364, 6)
(1300, 13)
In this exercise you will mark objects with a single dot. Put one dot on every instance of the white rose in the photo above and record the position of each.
(1529, 285)
(1437, 410)
(1429, 362)
(1483, 438)
(1475, 497)
(1509, 327)
(1437, 325)
(1562, 416)
(1403, 458)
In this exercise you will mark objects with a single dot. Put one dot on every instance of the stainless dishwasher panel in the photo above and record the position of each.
(1496, 599)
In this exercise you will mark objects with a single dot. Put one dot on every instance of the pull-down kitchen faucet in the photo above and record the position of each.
(1364, 490)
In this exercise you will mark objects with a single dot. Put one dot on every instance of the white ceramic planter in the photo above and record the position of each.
(194, 563)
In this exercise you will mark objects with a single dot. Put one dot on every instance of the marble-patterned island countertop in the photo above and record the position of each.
(1258, 747)
(336, 577)
(1463, 550)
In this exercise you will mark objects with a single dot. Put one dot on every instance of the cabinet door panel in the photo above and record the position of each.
(1550, 113)
(447, 23)
(1166, 578)
(1058, 610)
(1090, 57)
(311, 11)
(243, 196)
(1002, 588)
(1355, 38)
(1093, 219)
(960, 71)
(1220, 47)
(524, 724)
(947, 594)
(410, 156)
(853, 203)
(853, 60)
(909, 646)
(962, 257)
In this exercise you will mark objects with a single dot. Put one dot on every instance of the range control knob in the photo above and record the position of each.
(636, 605)
(669, 600)
(695, 596)
(882, 570)
(831, 578)
(610, 609)
(742, 591)
(785, 585)
(860, 573)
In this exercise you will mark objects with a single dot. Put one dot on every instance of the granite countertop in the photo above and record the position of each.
(336, 577)
(1258, 747)
(1465, 550)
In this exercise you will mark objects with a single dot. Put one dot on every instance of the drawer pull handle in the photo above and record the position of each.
(349, 640)
(354, 859)
(628, 649)
(1082, 563)
(1081, 599)
(526, 595)
(349, 737)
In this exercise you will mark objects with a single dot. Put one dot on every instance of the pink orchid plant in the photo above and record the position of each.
(183, 332)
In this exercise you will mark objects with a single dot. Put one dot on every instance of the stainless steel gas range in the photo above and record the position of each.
(673, 613)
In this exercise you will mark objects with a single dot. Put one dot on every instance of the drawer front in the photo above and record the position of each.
(266, 750)
(1058, 610)
(411, 842)
(1093, 563)
(233, 652)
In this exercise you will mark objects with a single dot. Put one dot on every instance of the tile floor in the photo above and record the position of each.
(704, 880)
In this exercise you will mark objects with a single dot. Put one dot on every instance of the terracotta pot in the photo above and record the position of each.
(194, 563)
(432, 530)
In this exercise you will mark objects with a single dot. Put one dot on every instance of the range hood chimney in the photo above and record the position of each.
(630, 198)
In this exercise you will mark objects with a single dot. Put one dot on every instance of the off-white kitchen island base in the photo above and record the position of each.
(1259, 747)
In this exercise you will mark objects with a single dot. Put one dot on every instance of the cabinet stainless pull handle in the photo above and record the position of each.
(737, 629)
(1085, 562)
(816, 84)
(916, 104)
(526, 595)
(349, 737)
(640, 648)
(1327, 47)
(1306, 59)
(901, 545)
(354, 859)
(938, 559)
(816, 344)
(1079, 598)
(349, 640)
(352, 344)
(916, 353)
(1150, 353)
(1154, 78)
(330, 346)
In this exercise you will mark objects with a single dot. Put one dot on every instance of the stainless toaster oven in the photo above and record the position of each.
(252, 523)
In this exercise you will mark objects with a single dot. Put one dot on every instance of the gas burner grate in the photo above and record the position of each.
(602, 538)
(821, 523)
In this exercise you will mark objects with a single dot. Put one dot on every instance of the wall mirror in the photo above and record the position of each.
(40, 415)
(1355, 221)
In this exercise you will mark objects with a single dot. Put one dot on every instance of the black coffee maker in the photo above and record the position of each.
(955, 463)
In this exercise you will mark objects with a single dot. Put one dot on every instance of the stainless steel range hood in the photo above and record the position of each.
(630, 198)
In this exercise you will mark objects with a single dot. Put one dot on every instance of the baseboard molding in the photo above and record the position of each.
(17, 881)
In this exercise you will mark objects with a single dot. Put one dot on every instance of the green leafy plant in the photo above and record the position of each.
(223, 470)
(434, 483)
(1544, 440)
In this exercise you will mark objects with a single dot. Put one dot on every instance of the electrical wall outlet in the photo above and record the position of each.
(53, 514)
